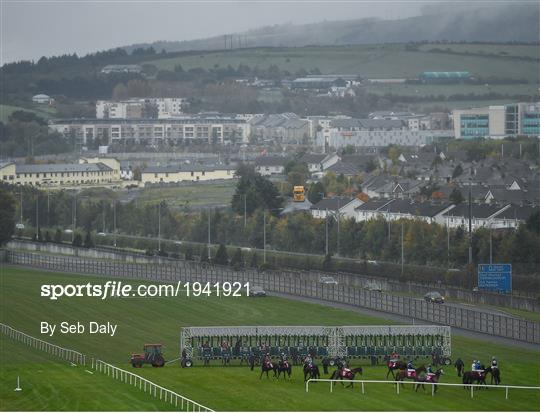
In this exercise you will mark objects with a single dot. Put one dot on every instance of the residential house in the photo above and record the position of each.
(270, 165)
(343, 206)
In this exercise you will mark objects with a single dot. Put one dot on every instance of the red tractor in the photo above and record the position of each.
(153, 355)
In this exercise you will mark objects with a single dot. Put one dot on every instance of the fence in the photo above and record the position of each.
(57, 351)
(472, 386)
(73, 356)
(305, 284)
(147, 386)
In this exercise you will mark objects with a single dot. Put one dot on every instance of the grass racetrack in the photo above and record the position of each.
(143, 320)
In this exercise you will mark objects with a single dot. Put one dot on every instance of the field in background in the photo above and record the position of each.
(42, 110)
(189, 195)
(159, 320)
(371, 61)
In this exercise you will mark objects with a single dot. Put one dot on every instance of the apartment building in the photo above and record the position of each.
(195, 128)
(138, 108)
(91, 172)
(497, 122)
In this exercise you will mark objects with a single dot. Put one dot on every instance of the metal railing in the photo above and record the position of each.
(155, 390)
(63, 353)
(472, 386)
(304, 284)
(76, 357)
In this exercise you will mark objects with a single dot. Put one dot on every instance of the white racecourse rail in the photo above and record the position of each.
(117, 373)
(149, 387)
(472, 386)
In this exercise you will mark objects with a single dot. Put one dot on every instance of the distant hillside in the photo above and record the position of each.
(496, 24)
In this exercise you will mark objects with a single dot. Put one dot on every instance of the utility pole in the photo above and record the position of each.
(448, 241)
(209, 240)
(264, 236)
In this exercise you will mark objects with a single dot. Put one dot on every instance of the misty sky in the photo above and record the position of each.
(35, 28)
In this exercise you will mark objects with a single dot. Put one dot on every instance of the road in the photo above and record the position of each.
(408, 320)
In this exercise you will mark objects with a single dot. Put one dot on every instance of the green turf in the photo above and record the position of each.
(235, 388)
(190, 195)
(51, 384)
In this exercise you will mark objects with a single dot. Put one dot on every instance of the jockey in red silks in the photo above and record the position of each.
(268, 360)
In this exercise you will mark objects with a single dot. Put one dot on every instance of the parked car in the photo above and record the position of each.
(328, 280)
(373, 286)
(257, 291)
(434, 297)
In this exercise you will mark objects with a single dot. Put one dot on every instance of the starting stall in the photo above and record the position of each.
(243, 342)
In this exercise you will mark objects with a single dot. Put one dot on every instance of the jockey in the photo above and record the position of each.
(473, 366)
(494, 363)
(267, 359)
(394, 357)
(308, 360)
(410, 365)
(429, 370)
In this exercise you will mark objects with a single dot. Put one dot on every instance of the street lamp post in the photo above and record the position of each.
(402, 251)
(114, 223)
(338, 225)
(159, 227)
(264, 236)
(209, 240)
(74, 213)
(37, 217)
(326, 231)
(245, 211)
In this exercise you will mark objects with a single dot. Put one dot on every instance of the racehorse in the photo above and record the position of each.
(346, 374)
(395, 365)
(311, 371)
(495, 374)
(475, 376)
(427, 378)
(283, 367)
(412, 374)
(266, 367)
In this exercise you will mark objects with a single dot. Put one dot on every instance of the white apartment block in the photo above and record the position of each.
(196, 128)
(137, 108)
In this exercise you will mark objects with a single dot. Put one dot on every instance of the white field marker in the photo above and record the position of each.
(89, 372)
(18, 385)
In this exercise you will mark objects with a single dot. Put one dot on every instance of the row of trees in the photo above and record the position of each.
(377, 239)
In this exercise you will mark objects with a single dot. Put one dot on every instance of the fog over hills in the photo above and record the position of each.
(502, 23)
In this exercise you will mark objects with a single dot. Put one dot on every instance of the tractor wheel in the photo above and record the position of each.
(158, 362)
(188, 363)
(447, 361)
(332, 362)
